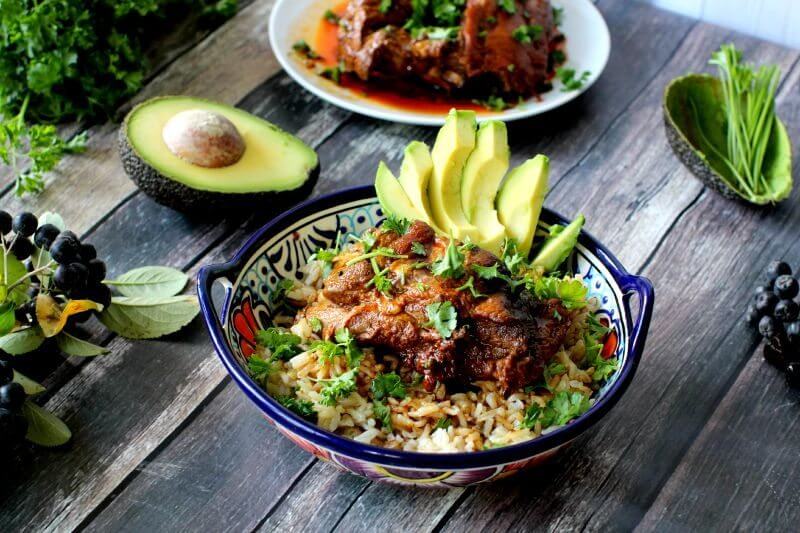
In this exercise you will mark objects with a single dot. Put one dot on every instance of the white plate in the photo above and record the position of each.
(588, 48)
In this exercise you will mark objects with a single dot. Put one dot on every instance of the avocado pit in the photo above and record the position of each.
(203, 138)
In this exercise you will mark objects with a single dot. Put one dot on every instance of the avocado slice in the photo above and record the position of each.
(193, 154)
(454, 142)
(559, 244)
(392, 198)
(520, 199)
(695, 121)
(483, 172)
(415, 175)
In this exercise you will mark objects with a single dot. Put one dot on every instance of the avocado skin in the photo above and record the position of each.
(692, 160)
(178, 196)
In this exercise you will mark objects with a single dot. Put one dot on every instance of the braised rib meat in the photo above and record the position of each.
(490, 49)
(499, 336)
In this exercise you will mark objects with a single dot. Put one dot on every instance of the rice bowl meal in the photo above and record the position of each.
(329, 361)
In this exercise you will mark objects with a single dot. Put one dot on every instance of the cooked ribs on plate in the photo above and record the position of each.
(482, 54)
(499, 336)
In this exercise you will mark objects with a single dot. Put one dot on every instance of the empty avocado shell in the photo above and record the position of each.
(696, 101)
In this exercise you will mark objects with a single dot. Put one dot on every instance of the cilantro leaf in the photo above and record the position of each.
(443, 317)
(280, 342)
(443, 423)
(571, 292)
(303, 48)
(260, 369)
(418, 248)
(328, 256)
(527, 33)
(302, 408)
(570, 80)
(316, 324)
(560, 409)
(470, 286)
(385, 385)
(509, 6)
(383, 413)
(558, 16)
(339, 387)
(278, 295)
(451, 264)
(345, 346)
(385, 6)
(330, 16)
(396, 224)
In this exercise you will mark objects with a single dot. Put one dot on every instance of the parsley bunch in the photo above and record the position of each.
(74, 59)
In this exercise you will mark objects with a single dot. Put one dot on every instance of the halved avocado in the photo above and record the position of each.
(193, 154)
(695, 121)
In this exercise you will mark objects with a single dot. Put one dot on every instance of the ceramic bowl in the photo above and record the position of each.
(277, 250)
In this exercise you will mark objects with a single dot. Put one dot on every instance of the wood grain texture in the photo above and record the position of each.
(703, 267)
(365, 142)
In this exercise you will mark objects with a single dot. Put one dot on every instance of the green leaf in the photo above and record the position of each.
(443, 317)
(45, 428)
(22, 341)
(31, 387)
(16, 270)
(7, 318)
(150, 281)
(48, 217)
(74, 346)
(148, 318)
(385, 385)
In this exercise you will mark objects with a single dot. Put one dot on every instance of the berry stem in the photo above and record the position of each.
(31, 274)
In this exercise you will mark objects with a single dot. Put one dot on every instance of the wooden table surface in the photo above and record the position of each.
(707, 436)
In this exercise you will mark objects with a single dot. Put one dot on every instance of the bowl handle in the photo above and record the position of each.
(206, 278)
(642, 287)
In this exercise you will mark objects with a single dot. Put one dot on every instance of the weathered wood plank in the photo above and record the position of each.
(742, 473)
(183, 365)
(87, 186)
(609, 477)
(364, 142)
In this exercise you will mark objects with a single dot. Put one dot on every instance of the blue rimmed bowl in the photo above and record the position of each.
(276, 252)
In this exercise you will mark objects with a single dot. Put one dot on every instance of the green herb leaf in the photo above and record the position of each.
(443, 317)
(352, 352)
(302, 48)
(418, 248)
(451, 264)
(396, 224)
(385, 385)
(339, 387)
(150, 281)
(509, 6)
(281, 343)
(45, 428)
(571, 292)
(526, 33)
(558, 16)
(560, 409)
(443, 423)
(74, 346)
(470, 286)
(149, 317)
(302, 408)
(260, 369)
(22, 341)
(385, 6)
(316, 324)
(31, 387)
(570, 80)
(383, 413)
(330, 16)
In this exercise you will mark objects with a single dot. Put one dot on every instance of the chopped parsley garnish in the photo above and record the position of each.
(316, 324)
(443, 317)
(513, 260)
(383, 413)
(557, 57)
(278, 295)
(443, 423)
(378, 252)
(560, 409)
(558, 16)
(260, 369)
(570, 80)
(331, 17)
(367, 240)
(302, 48)
(491, 20)
(571, 292)
(396, 224)
(493, 103)
(302, 408)
(451, 264)
(470, 286)
(281, 343)
(418, 248)
(527, 33)
(508, 6)
(386, 385)
(337, 388)
(483, 34)
(345, 346)
(385, 6)
(328, 255)
(447, 12)
(382, 283)
(333, 73)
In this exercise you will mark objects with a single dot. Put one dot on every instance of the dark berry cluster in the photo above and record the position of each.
(70, 267)
(13, 424)
(775, 313)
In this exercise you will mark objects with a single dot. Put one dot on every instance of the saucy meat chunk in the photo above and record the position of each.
(499, 336)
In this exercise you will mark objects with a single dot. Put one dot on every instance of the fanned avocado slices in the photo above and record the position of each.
(695, 121)
(196, 155)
